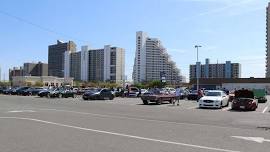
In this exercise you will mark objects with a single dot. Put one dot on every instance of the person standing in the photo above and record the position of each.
(177, 95)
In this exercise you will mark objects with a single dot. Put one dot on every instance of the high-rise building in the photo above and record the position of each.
(0, 74)
(267, 75)
(56, 57)
(35, 69)
(225, 70)
(106, 64)
(152, 62)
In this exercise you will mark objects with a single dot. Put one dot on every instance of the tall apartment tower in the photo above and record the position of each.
(268, 41)
(56, 57)
(76, 64)
(152, 62)
(107, 64)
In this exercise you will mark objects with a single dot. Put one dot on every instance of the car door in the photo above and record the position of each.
(104, 94)
(225, 99)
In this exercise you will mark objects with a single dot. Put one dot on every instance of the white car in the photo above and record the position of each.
(214, 99)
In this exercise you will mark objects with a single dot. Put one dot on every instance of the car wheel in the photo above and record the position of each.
(145, 102)
(159, 101)
(111, 97)
(171, 101)
(221, 105)
(227, 105)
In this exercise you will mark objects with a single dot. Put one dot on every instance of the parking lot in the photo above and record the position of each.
(124, 124)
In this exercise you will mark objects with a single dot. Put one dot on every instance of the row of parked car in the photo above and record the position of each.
(86, 93)
(241, 99)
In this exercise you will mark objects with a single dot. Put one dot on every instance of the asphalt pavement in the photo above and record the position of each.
(31, 124)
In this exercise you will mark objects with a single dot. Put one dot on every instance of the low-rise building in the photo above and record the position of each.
(232, 84)
(45, 80)
(15, 71)
(218, 70)
(35, 69)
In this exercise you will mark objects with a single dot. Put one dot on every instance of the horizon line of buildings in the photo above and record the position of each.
(107, 64)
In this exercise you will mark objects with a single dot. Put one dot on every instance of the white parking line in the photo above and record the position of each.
(122, 135)
(194, 107)
(226, 109)
(139, 119)
(264, 110)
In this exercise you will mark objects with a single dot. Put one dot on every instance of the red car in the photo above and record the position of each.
(244, 100)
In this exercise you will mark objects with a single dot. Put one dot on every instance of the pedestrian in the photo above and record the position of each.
(200, 94)
(177, 95)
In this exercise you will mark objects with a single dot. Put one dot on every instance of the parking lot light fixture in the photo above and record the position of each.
(197, 73)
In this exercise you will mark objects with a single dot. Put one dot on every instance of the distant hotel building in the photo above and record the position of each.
(35, 69)
(15, 71)
(56, 57)
(152, 62)
(225, 70)
(106, 64)
(29, 69)
(267, 75)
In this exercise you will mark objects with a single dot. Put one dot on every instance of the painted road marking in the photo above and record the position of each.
(264, 110)
(140, 119)
(226, 109)
(121, 134)
(255, 139)
(18, 111)
(194, 107)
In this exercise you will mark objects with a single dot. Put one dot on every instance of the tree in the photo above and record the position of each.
(156, 83)
(38, 84)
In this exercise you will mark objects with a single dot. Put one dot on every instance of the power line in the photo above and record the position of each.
(40, 27)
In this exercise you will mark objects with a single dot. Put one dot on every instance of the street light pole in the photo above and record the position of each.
(197, 68)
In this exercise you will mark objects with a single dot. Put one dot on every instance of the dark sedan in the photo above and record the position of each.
(44, 93)
(61, 93)
(7, 91)
(31, 91)
(193, 95)
(244, 100)
(19, 91)
(98, 94)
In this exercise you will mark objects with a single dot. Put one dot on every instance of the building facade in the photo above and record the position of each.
(152, 62)
(45, 80)
(106, 64)
(15, 71)
(56, 57)
(232, 83)
(224, 70)
(267, 75)
(35, 69)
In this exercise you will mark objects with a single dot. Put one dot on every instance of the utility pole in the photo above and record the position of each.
(197, 68)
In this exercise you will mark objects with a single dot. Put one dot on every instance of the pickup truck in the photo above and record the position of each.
(260, 94)
(157, 97)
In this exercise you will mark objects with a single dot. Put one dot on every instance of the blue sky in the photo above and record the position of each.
(227, 29)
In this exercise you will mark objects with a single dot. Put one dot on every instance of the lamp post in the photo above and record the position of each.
(197, 68)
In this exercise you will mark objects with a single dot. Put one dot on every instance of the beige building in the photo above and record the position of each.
(46, 80)
(152, 62)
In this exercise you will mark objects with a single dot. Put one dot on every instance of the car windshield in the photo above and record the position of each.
(213, 93)
(244, 94)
